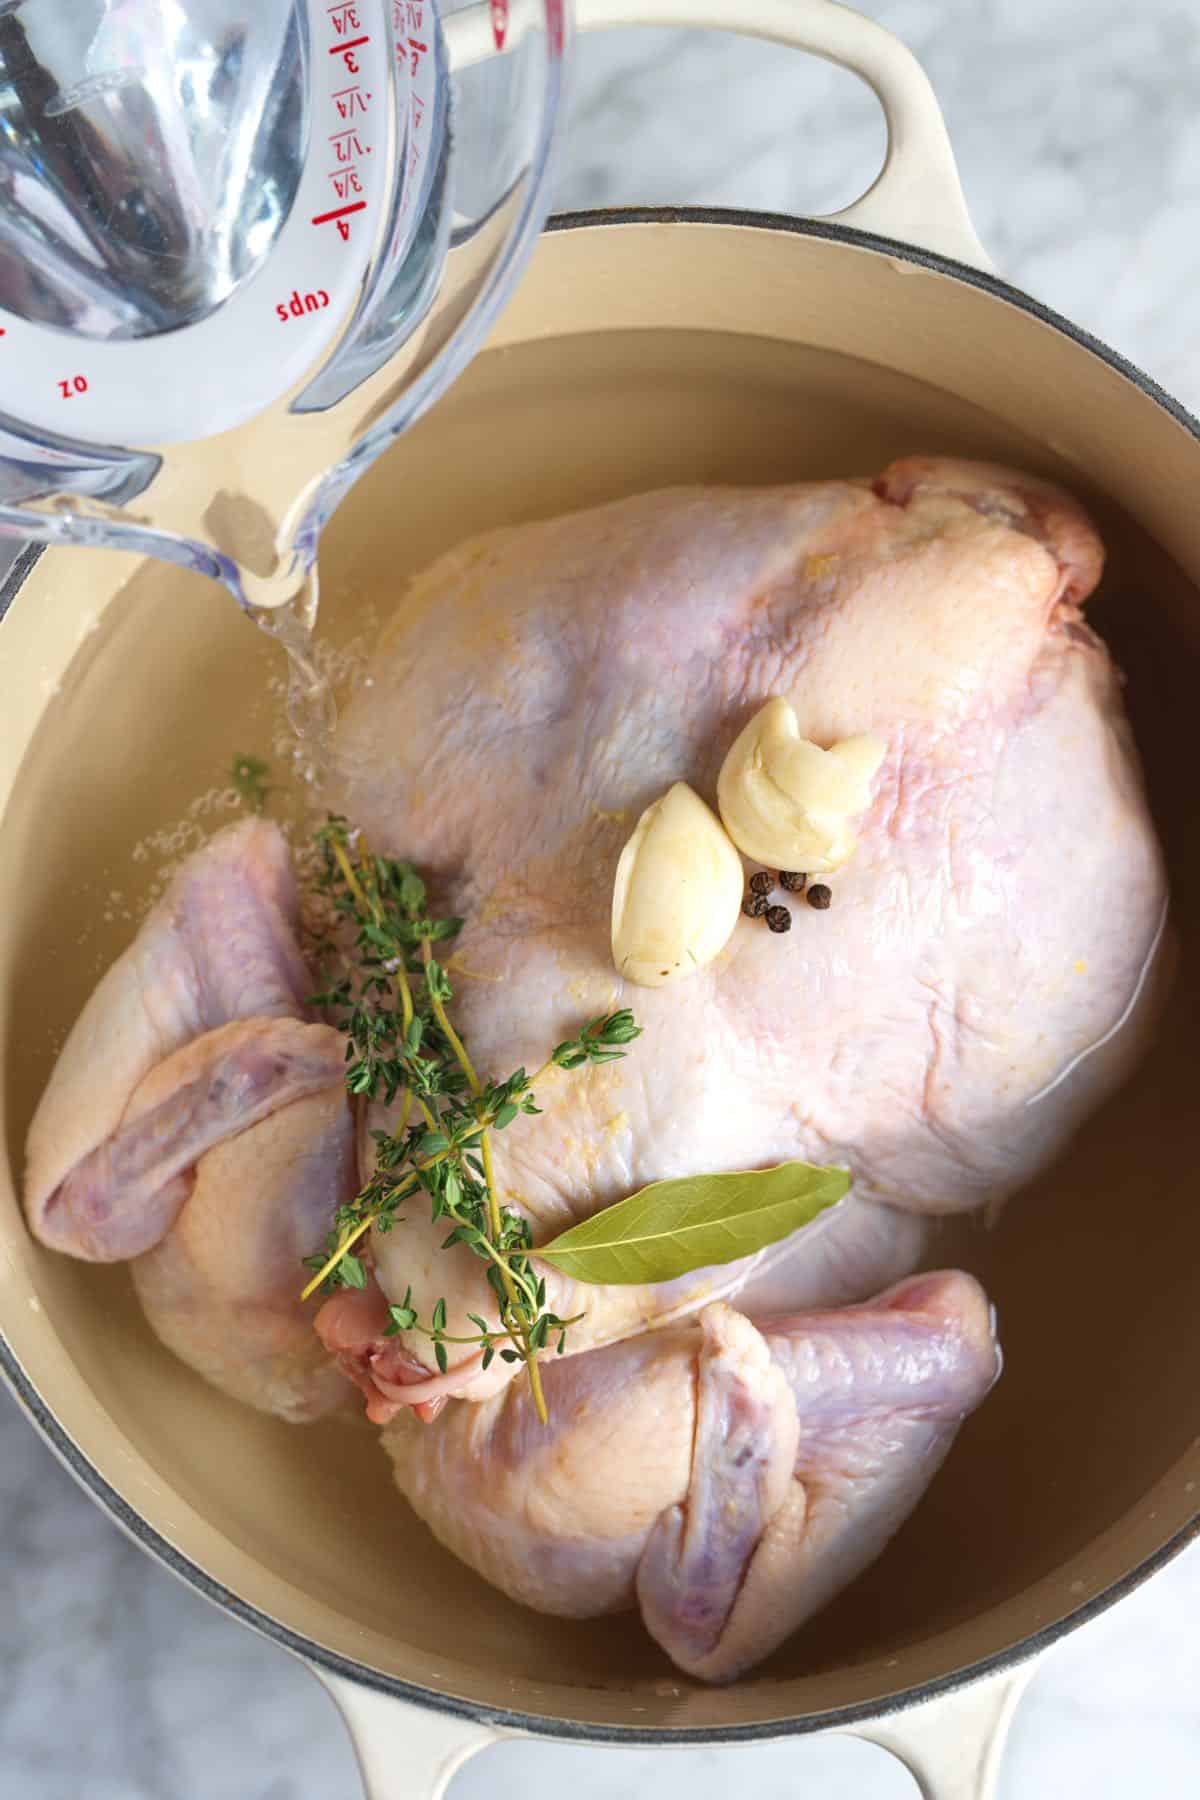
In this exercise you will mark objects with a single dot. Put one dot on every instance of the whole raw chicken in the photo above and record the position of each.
(940, 1030)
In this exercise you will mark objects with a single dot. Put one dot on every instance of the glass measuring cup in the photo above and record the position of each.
(304, 212)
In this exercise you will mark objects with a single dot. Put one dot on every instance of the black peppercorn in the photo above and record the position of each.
(761, 883)
(756, 905)
(791, 881)
(819, 896)
(779, 918)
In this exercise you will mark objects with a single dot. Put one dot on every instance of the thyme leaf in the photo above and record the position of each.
(247, 774)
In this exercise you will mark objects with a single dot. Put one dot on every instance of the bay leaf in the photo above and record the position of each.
(674, 1227)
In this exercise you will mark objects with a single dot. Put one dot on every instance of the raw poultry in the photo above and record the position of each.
(940, 1030)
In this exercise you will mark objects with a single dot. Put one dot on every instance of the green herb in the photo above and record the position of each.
(248, 774)
(391, 1002)
(672, 1227)
(390, 998)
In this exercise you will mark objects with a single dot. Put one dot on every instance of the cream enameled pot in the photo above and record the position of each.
(644, 349)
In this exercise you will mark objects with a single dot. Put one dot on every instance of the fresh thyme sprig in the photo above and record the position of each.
(391, 1002)
(248, 775)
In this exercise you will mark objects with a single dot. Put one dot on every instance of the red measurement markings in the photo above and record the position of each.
(298, 304)
(72, 385)
(415, 13)
(340, 216)
(346, 52)
(347, 145)
(418, 50)
(345, 17)
(345, 182)
(340, 212)
(351, 100)
(499, 12)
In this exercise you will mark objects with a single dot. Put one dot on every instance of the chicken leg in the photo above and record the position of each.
(197, 1125)
(729, 1479)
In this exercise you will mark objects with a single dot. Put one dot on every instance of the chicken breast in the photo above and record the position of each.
(942, 1029)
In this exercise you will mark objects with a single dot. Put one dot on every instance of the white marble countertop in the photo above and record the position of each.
(1077, 125)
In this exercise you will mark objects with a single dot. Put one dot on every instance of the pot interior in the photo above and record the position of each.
(1045, 1499)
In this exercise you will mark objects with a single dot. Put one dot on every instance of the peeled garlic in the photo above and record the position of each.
(789, 804)
(678, 891)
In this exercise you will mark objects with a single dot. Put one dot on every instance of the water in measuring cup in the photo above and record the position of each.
(195, 191)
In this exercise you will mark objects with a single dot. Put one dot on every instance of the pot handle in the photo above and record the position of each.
(404, 1751)
(917, 197)
(952, 1745)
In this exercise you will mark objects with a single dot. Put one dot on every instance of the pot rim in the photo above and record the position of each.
(136, 1526)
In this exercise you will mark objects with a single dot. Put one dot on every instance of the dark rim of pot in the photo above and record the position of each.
(575, 1730)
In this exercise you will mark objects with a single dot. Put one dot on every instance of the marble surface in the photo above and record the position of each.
(1077, 126)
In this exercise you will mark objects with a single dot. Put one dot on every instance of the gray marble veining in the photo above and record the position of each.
(1078, 133)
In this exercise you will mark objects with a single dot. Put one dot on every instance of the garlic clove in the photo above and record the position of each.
(678, 891)
(862, 755)
(789, 804)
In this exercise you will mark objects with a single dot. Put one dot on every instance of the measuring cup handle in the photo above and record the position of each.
(917, 197)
